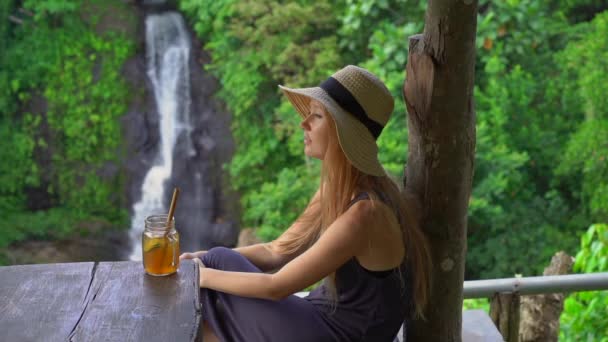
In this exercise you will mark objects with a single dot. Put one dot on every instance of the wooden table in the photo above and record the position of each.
(107, 301)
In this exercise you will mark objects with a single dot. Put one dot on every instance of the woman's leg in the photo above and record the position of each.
(225, 259)
(214, 315)
(241, 319)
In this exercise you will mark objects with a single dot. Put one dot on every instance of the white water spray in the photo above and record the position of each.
(167, 52)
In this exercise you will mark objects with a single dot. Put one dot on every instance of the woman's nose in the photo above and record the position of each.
(304, 124)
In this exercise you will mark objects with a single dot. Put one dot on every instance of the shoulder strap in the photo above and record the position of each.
(361, 196)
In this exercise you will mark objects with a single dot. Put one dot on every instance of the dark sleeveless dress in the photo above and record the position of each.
(371, 306)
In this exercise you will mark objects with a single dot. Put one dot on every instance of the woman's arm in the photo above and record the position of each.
(261, 254)
(264, 257)
(344, 239)
(192, 255)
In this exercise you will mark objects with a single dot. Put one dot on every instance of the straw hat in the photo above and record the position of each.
(360, 104)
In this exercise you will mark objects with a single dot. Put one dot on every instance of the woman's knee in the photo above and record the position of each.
(220, 257)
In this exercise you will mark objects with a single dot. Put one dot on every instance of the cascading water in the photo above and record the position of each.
(167, 53)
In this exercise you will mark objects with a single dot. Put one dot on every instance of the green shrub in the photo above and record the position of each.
(584, 315)
(59, 59)
(476, 304)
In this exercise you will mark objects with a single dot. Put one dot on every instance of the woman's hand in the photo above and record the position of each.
(201, 266)
(193, 255)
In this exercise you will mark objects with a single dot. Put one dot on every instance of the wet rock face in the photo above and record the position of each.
(38, 197)
(208, 209)
(140, 127)
(206, 214)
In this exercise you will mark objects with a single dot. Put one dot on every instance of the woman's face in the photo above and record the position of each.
(316, 131)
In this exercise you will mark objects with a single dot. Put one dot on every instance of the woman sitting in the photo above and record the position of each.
(358, 234)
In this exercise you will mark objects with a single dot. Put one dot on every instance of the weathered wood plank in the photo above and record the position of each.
(125, 304)
(42, 302)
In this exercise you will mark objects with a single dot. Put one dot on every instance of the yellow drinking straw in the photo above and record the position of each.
(172, 207)
(169, 219)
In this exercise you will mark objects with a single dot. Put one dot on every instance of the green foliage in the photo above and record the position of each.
(476, 304)
(584, 315)
(587, 57)
(42, 8)
(362, 20)
(388, 60)
(257, 45)
(55, 223)
(586, 154)
(519, 29)
(515, 144)
(6, 9)
(541, 170)
(278, 202)
(373, 34)
(519, 201)
(536, 180)
(581, 10)
(18, 168)
(4, 261)
(86, 112)
(60, 62)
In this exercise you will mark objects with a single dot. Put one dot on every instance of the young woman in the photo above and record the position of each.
(358, 234)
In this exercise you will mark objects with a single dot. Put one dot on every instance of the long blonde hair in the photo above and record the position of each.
(339, 182)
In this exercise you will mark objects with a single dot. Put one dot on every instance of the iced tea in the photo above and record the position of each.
(160, 246)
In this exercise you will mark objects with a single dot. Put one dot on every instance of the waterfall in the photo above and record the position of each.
(167, 53)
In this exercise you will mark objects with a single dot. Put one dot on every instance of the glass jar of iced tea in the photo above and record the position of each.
(160, 246)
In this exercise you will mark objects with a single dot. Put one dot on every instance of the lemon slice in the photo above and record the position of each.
(152, 244)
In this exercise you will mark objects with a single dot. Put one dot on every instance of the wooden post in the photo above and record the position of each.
(540, 313)
(504, 311)
(441, 121)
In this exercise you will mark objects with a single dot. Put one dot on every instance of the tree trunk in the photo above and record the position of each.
(504, 311)
(439, 96)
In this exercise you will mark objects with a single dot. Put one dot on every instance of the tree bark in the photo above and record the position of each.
(439, 96)
(504, 311)
(540, 313)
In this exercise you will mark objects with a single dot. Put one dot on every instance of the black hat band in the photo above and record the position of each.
(348, 102)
